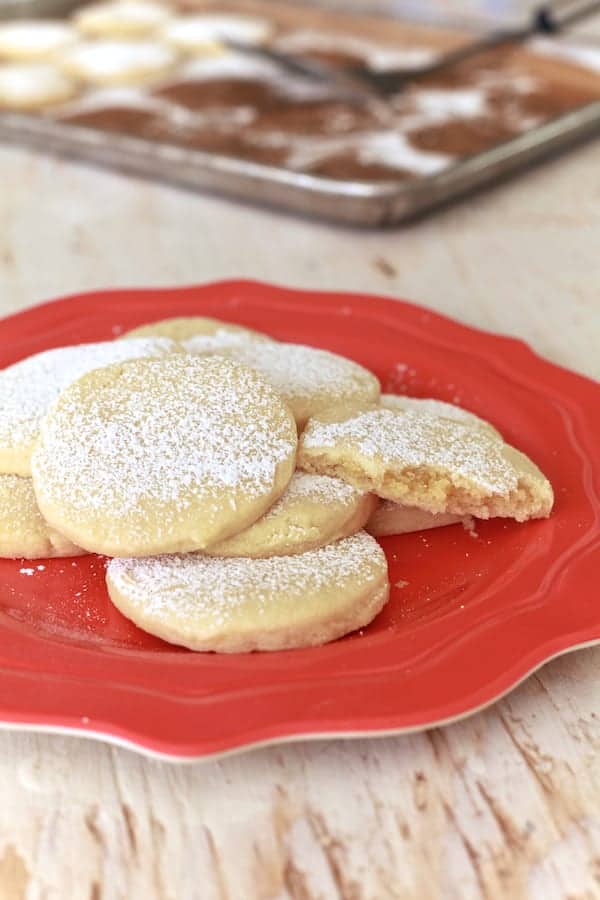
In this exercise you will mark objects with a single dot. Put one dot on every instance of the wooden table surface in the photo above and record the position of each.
(505, 804)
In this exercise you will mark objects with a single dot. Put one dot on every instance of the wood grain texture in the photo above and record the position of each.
(505, 804)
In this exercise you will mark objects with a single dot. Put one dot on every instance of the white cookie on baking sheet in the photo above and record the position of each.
(24, 533)
(162, 455)
(113, 62)
(26, 40)
(314, 510)
(32, 86)
(205, 32)
(29, 388)
(122, 19)
(237, 605)
(435, 464)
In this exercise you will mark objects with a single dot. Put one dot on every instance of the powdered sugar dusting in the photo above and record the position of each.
(23, 531)
(189, 32)
(220, 340)
(316, 489)
(390, 148)
(17, 502)
(412, 440)
(126, 17)
(299, 372)
(118, 60)
(218, 589)
(377, 56)
(229, 65)
(184, 436)
(33, 84)
(429, 406)
(33, 39)
(28, 388)
(320, 488)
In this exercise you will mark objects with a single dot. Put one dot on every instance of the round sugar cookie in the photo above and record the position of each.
(35, 39)
(237, 605)
(123, 19)
(205, 33)
(435, 464)
(401, 403)
(163, 455)
(220, 342)
(106, 62)
(314, 510)
(198, 334)
(394, 518)
(24, 534)
(309, 380)
(28, 389)
(33, 86)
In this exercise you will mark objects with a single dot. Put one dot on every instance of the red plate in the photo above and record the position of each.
(469, 615)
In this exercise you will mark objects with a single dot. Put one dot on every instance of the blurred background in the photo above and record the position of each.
(462, 12)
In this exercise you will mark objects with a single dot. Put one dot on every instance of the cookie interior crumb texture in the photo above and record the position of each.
(434, 464)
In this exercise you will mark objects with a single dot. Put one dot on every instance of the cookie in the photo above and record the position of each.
(394, 518)
(435, 464)
(23, 531)
(205, 33)
(163, 455)
(33, 86)
(313, 511)
(238, 605)
(220, 342)
(198, 334)
(28, 40)
(28, 389)
(309, 380)
(401, 403)
(107, 62)
(125, 19)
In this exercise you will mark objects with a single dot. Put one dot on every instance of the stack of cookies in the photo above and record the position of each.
(237, 481)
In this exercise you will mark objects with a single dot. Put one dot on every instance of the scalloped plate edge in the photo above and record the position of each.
(138, 746)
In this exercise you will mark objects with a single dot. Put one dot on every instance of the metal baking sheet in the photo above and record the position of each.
(361, 203)
(357, 203)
